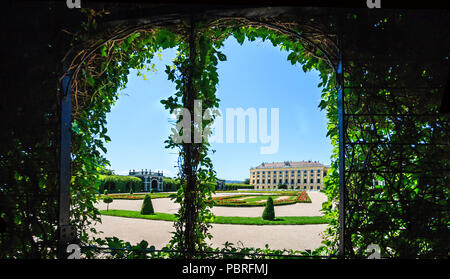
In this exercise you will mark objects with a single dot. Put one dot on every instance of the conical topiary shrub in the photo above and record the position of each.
(269, 211)
(147, 206)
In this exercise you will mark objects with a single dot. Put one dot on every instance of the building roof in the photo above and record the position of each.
(289, 164)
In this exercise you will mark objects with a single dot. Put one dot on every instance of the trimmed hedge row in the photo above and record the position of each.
(236, 186)
(170, 184)
(119, 184)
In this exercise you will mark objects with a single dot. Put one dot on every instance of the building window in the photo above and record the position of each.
(312, 171)
(257, 181)
(286, 181)
(257, 172)
(280, 181)
(304, 180)
(263, 181)
(318, 180)
(318, 187)
(253, 181)
(298, 180)
(311, 180)
(304, 187)
(311, 187)
(263, 172)
(292, 181)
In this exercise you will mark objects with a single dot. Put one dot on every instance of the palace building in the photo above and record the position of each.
(303, 175)
(150, 180)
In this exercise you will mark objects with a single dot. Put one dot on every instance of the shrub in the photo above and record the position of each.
(282, 186)
(269, 210)
(105, 192)
(131, 191)
(147, 206)
(107, 200)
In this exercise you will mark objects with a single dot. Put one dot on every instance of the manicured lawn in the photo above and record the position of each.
(288, 220)
(137, 214)
(136, 196)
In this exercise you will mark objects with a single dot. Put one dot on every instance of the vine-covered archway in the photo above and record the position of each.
(391, 149)
(100, 70)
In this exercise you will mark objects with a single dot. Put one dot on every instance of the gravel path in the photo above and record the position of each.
(158, 233)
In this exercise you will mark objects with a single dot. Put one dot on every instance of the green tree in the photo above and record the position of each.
(107, 200)
(147, 206)
(247, 181)
(269, 210)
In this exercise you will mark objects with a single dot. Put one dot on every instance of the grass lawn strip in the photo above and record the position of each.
(286, 220)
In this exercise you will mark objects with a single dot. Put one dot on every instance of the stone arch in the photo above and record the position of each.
(155, 184)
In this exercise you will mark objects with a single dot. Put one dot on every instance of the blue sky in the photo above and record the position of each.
(255, 75)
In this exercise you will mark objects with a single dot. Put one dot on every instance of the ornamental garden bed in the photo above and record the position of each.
(260, 200)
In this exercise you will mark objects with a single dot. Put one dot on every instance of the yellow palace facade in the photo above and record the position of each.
(303, 175)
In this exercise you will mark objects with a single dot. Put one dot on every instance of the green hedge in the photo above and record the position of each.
(171, 184)
(119, 184)
(235, 186)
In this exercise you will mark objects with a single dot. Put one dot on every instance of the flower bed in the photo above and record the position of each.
(232, 201)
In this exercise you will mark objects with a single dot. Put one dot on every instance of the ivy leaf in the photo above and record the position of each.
(103, 50)
(90, 80)
(221, 56)
(240, 37)
(292, 57)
